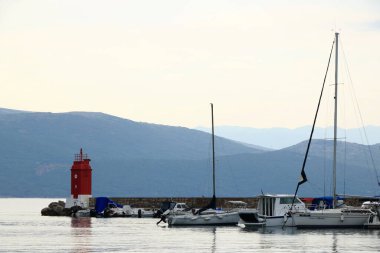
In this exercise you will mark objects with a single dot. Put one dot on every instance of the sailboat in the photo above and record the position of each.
(207, 215)
(346, 217)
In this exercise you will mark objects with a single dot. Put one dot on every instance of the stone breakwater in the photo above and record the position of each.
(198, 202)
(58, 209)
(195, 202)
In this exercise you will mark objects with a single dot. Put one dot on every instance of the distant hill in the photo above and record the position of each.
(278, 138)
(355, 170)
(11, 111)
(139, 159)
(347, 153)
(40, 145)
(106, 136)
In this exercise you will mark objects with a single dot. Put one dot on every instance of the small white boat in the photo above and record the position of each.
(113, 211)
(272, 211)
(210, 216)
(216, 218)
(137, 212)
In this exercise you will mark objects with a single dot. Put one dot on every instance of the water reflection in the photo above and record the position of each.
(335, 242)
(213, 245)
(28, 231)
(271, 230)
(266, 239)
(201, 235)
(82, 222)
(81, 234)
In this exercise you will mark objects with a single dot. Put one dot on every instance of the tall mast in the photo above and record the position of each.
(213, 151)
(335, 118)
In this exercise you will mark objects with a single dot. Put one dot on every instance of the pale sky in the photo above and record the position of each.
(260, 62)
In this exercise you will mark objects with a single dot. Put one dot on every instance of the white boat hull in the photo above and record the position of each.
(221, 219)
(331, 218)
(274, 222)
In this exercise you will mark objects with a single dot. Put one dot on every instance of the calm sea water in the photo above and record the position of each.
(23, 229)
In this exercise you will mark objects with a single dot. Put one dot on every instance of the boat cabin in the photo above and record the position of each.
(278, 205)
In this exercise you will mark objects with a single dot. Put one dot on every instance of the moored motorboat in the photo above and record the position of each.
(137, 212)
(272, 211)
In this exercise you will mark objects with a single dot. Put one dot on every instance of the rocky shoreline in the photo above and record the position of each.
(58, 209)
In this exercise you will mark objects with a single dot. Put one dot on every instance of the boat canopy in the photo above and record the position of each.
(104, 202)
(327, 201)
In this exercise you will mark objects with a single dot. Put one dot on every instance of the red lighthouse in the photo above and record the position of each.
(80, 181)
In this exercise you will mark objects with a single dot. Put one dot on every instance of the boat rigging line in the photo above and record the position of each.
(354, 98)
(303, 174)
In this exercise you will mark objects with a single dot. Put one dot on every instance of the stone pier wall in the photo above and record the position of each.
(195, 202)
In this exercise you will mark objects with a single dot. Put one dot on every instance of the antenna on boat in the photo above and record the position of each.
(335, 119)
(213, 151)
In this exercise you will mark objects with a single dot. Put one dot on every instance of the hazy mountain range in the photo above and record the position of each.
(277, 138)
(139, 159)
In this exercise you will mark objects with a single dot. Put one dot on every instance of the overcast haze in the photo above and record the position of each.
(260, 62)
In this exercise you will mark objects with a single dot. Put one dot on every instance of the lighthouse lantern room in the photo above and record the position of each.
(80, 181)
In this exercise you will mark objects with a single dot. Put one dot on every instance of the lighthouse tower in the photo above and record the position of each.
(80, 181)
